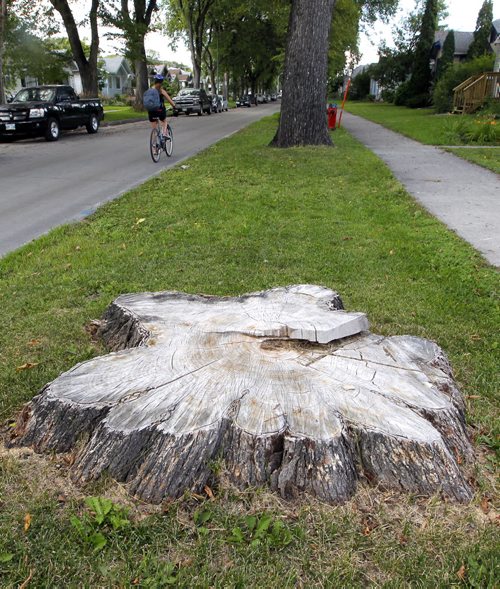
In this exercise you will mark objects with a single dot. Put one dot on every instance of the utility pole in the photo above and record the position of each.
(3, 28)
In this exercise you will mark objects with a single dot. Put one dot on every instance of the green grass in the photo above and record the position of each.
(121, 113)
(244, 217)
(420, 124)
(488, 157)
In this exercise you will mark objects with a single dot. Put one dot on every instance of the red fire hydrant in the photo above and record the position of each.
(332, 116)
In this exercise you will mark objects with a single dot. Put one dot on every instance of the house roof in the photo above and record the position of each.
(113, 64)
(462, 40)
(495, 30)
(359, 70)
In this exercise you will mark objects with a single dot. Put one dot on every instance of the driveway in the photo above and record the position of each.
(46, 184)
(463, 195)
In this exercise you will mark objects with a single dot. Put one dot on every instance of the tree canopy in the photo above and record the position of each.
(481, 42)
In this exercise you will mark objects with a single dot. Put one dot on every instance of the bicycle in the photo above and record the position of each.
(157, 142)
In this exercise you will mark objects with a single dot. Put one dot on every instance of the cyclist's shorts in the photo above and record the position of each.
(154, 115)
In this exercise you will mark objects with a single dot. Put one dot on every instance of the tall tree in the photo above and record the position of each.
(3, 31)
(306, 69)
(447, 55)
(303, 120)
(134, 22)
(87, 65)
(481, 43)
(191, 17)
(421, 76)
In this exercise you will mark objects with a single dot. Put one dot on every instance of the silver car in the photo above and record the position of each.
(224, 103)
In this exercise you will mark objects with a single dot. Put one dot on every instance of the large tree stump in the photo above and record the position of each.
(283, 385)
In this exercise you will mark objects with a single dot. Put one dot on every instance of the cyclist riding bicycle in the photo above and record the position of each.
(160, 113)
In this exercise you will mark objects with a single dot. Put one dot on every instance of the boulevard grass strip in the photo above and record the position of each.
(243, 217)
(487, 157)
(421, 124)
(122, 113)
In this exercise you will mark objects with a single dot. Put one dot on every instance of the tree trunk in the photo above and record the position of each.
(3, 28)
(303, 107)
(141, 75)
(288, 389)
(86, 67)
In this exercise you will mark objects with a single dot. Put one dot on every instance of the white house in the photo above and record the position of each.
(118, 76)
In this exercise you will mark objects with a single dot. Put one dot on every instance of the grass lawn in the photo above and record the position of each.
(245, 217)
(421, 124)
(488, 157)
(120, 113)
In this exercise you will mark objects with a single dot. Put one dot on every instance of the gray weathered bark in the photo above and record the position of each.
(290, 390)
(303, 106)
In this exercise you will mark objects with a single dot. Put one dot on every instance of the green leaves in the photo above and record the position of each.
(100, 506)
(106, 519)
(6, 557)
(261, 530)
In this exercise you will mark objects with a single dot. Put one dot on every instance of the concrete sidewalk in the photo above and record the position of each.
(463, 195)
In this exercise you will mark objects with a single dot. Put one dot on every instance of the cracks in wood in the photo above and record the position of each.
(298, 416)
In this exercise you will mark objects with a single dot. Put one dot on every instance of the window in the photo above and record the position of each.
(118, 82)
(65, 94)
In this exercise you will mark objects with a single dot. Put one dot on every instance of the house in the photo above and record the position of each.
(74, 78)
(118, 76)
(375, 87)
(462, 43)
(171, 73)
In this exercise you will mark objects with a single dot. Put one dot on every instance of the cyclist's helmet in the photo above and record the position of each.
(159, 78)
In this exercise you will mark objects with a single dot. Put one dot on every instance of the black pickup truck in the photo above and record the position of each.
(44, 111)
(192, 100)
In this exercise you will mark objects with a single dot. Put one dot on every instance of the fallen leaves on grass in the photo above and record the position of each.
(27, 366)
(209, 492)
(27, 522)
(461, 572)
(485, 505)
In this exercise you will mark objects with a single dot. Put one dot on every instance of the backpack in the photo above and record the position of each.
(151, 99)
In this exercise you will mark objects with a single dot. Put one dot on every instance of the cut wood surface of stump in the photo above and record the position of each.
(284, 386)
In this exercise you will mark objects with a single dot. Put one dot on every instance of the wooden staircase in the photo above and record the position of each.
(475, 91)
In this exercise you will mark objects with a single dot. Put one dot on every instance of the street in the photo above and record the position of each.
(43, 185)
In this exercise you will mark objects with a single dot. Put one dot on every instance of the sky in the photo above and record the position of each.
(462, 17)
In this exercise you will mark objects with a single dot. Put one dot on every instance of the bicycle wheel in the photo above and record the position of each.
(169, 141)
(155, 146)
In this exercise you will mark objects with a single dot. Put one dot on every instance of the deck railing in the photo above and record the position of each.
(475, 91)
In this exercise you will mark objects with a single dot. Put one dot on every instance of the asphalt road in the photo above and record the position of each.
(43, 185)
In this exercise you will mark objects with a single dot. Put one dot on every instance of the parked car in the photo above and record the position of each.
(260, 99)
(264, 99)
(244, 101)
(192, 100)
(224, 103)
(216, 103)
(45, 111)
(274, 98)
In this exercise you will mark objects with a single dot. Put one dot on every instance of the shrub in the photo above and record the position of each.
(388, 95)
(480, 130)
(402, 94)
(442, 97)
(419, 101)
(360, 87)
